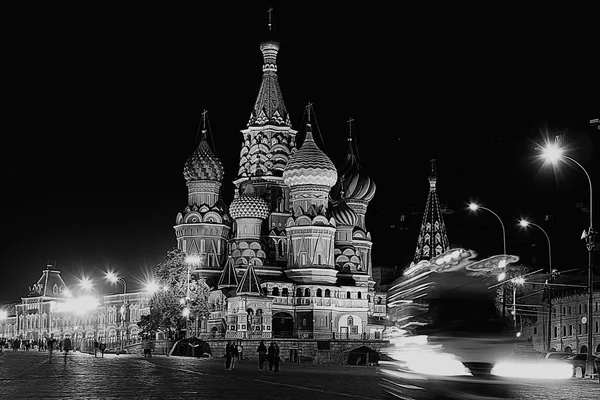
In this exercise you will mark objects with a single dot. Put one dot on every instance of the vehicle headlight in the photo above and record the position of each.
(438, 364)
(540, 370)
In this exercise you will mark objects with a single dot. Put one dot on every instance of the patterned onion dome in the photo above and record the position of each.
(309, 166)
(344, 215)
(356, 184)
(249, 205)
(203, 164)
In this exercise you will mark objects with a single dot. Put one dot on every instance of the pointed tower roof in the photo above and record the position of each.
(50, 284)
(269, 108)
(228, 277)
(249, 283)
(352, 179)
(432, 240)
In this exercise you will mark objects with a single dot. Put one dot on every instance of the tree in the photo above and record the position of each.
(176, 294)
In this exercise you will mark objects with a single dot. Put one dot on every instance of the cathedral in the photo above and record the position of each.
(291, 255)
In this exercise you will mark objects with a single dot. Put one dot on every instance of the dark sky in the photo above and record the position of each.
(107, 115)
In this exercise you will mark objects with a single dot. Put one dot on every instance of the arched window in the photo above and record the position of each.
(275, 291)
(307, 292)
(284, 292)
(319, 293)
(327, 293)
(298, 292)
(378, 299)
(358, 295)
(280, 248)
(348, 295)
(583, 350)
(369, 298)
(350, 321)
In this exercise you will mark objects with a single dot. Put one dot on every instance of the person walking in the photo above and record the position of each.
(102, 347)
(262, 354)
(147, 348)
(95, 348)
(276, 357)
(235, 355)
(67, 346)
(271, 356)
(228, 354)
(51, 343)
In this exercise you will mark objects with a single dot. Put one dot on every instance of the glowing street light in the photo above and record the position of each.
(553, 153)
(475, 207)
(516, 281)
(152, 287)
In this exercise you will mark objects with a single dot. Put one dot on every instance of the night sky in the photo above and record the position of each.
(95, 182)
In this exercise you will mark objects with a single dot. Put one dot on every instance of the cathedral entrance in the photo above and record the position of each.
(283, 325)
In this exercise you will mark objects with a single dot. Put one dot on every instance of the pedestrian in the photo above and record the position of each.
(271, 356)
(102, 347)
(147, 345)
(228, 354)
(262, 354)
(95, 347)
(235, 355)
(67, 346)
(51, 344)
(276, 358)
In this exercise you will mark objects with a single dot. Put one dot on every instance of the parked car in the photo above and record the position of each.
(555, 355)
(579, 360)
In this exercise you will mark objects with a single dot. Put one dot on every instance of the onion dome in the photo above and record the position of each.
(203, 164)
(249, 205)
(344, 215)
(309, 165)
(354, 182)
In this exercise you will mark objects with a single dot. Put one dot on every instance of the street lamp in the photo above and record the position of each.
(475, 207)
(114, 278)
(524, 223)
(553, 153)
(86, 284)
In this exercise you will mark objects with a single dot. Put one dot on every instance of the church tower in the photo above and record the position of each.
(267, 145)
(356, 189)
(432, 240)
(310, 174)
(203, 228)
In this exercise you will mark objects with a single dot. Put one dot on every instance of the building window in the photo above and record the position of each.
(307, 292)
(564, 330)
(350, 321)
(579, 328)
(298, 292)
(569, 310)
(322, 322)
(275, 291)
(319, 293)
(284, 292)
(535, 330)
(327, 293)
(555, 331)
(348, 295)
(358, 295)
(303, 321)
(570, 330)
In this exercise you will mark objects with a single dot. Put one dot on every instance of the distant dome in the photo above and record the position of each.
(309, 166)
(344, 215)
(203, 164)
(354, 181)
(249, 205)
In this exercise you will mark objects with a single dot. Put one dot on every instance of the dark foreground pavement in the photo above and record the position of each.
(29, 375)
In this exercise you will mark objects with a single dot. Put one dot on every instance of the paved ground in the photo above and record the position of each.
(29, 375)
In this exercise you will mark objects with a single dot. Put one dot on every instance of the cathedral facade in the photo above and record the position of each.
(291, 255)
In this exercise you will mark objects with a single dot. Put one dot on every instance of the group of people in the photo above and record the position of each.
(270, 354)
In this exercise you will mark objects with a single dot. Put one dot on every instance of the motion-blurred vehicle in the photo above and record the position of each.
(579, 360)
(555, 355)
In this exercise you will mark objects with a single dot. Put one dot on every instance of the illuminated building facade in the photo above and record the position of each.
(291, 255)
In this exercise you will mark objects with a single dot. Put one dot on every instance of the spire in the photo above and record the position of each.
(432, 240)
(269, 108)
(432, 175)
(249, 283)
(228, 276)
(309, 135)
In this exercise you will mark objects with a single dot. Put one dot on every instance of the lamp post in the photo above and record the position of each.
(86, 284)
(475, 207)
(524, 223)
(191, 259)
(516, 281)
(553, 153)
(113, 278)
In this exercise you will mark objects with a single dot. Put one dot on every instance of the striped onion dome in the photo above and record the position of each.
(309, 166)
(354, 181)
(343, 214)
(249, 205)
(203, 164)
